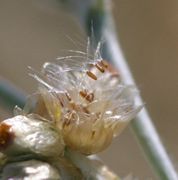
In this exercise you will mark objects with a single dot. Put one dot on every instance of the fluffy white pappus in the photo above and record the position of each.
(87, 99)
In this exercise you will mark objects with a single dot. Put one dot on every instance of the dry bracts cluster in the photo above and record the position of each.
(86, 99)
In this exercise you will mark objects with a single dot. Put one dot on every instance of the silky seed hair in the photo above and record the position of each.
(86, 98)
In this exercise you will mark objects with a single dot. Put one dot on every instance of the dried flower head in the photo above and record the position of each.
(87, 100)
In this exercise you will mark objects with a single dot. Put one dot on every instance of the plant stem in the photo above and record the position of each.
(10, 95)
(142, 126)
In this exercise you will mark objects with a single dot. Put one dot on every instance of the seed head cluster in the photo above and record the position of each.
(86, 98)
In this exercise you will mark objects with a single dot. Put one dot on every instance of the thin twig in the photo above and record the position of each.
(99, 16)
(10, 95)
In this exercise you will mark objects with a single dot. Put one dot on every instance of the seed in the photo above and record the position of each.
(83, 93)
(101, 69)
(104, 63)
(90, 97)
(90, 74)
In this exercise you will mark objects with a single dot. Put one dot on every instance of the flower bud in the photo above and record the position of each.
(30, 134)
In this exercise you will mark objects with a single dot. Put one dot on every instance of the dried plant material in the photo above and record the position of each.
(6, 136)
(30, 170)
(87, 100)
(33, 134)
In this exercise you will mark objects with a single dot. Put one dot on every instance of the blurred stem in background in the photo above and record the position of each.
(97, 14)
(10, 95)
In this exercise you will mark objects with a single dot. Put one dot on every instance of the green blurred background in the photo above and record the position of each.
(32, 32)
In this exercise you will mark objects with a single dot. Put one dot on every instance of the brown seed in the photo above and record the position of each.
(83, 93)
(90, 97)
(104, 63)
(90, 74)
(101, 69)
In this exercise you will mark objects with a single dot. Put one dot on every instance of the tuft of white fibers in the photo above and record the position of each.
(86, 98)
